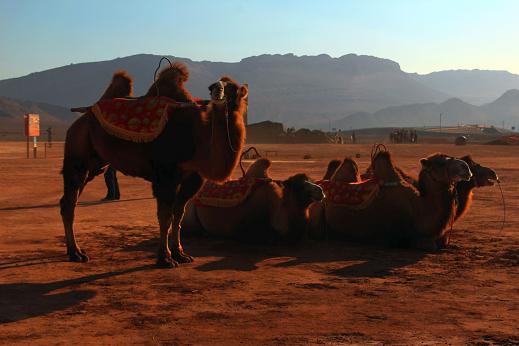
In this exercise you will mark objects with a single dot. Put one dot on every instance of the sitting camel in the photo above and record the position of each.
(398, 214)
(481, 176)
(272, 211)
(196, 143)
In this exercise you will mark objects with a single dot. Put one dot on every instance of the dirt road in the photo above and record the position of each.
(316, 293)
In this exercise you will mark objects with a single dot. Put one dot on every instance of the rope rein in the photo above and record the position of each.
(157, 69)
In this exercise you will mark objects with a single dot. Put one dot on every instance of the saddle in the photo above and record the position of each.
(228, 194)
(352, 195)
(136, 119)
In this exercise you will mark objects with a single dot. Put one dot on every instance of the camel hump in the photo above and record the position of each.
(120, 86)
(259, 169)
(348, 171)
(330, 170)
(384, 169)
(177, 71)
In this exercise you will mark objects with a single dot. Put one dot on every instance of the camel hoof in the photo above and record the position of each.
(166, 262)
(78, 255)
(182, 257)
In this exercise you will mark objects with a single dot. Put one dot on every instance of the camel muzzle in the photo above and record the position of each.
(490, 177)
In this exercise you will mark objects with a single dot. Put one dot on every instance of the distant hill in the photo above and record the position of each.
(301, 91)
(12, 111)
(287, 88)
(472, 86)
(454, 111)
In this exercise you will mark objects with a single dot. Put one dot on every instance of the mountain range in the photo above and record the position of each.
(453, 111)
(315, 91)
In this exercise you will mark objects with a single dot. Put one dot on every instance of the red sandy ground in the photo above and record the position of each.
(317, 293)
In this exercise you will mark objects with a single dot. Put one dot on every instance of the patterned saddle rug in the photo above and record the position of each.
(228, 194)
(352, 195)
(136, 120)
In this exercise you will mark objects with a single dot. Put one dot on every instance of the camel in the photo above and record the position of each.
(273, 211)
(400, 214)
(196, 144)
(481, 176)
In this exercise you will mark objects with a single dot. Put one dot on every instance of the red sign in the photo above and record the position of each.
(32, 125)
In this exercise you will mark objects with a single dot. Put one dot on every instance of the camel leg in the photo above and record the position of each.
(188, 188)
(164, 189)
(443, 241)
(316, 222)
(74, 180)
(164, 214)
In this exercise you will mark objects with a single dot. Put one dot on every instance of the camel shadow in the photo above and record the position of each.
(20, 301)
(370, 261)
(28, 262)
(233, 255)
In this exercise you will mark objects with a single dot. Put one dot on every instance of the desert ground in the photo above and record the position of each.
(317, 293)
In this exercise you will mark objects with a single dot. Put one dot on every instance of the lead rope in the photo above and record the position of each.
(228, 130)
(157, 69)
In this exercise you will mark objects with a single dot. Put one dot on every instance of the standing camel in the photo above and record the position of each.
(399, 214)
(272, 211)
(196, 144)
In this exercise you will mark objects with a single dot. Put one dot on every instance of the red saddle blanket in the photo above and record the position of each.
(228, 194)
(353, 195)
(137, 120)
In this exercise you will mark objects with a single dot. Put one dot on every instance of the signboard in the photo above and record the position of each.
(32, 125)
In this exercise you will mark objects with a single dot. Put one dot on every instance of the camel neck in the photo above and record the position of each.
(438, 205)
(464, 189)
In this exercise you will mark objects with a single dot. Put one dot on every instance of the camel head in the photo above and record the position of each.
(229, 90)
(300, 190)
(482, 176)
(332, 167)
(259, 169)
(347, 172)
(170, 83)
(445, 169)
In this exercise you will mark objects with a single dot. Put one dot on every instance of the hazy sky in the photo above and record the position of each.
(422, 35)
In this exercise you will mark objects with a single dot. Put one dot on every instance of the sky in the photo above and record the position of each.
(421, 35)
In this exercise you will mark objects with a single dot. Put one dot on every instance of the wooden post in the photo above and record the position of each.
(35, 147)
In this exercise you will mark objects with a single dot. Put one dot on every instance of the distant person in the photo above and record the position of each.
(112, 185)
(353, 137)
(49, 136)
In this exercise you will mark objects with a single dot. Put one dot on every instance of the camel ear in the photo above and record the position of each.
(243, 92)
(425, 163)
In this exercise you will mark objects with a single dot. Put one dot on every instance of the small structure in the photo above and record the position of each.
(461, 140)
